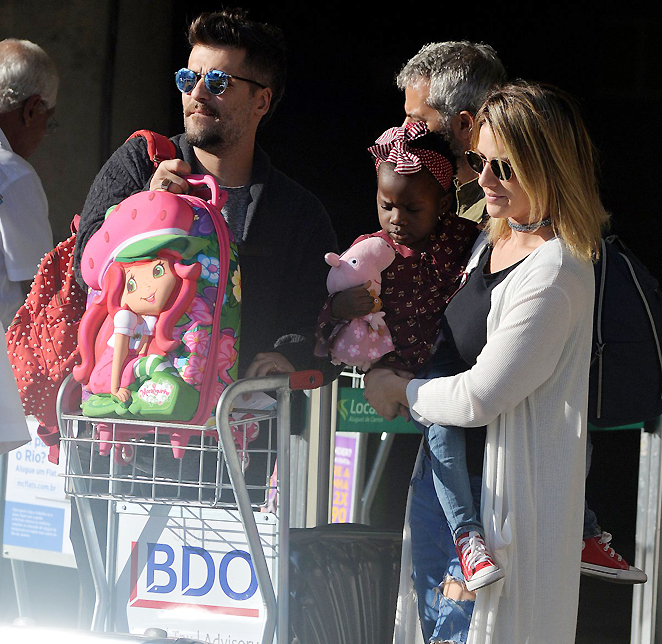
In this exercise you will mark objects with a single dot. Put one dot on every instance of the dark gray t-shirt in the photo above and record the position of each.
(235, 209)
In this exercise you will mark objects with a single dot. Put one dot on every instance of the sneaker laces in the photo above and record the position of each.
(473, 550)
(605, 540)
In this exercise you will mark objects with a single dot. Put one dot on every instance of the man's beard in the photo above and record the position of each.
(205, 140)
(214, 138)
(446, 133)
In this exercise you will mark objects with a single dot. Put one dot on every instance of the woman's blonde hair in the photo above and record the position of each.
(552, 156)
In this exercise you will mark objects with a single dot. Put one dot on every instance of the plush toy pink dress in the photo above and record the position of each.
(363, 341)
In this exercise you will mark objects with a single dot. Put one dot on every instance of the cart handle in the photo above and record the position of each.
(310, 379)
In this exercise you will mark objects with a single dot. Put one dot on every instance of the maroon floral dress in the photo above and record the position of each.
(415, 290)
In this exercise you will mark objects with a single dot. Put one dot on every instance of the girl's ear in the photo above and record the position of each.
(445, 203)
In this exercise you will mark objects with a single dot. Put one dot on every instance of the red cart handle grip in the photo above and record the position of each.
(306, 379)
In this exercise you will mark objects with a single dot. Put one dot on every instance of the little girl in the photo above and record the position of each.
(414, 173)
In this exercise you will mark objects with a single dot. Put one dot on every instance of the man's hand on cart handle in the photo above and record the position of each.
(268, 364)
(272, 363)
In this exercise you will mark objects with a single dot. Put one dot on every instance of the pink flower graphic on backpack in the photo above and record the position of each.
(194, 371)
(227, 355)
(196, 341)
(200, 312)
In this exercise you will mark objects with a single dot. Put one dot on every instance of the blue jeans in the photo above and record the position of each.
(448, 454)
(445, 502)
(448, 458)
(434, 558)
(591, 527)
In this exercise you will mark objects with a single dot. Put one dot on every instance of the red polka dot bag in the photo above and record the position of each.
(42, 338)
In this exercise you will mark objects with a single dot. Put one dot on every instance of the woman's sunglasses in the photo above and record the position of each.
(216, 81)
(502, 169)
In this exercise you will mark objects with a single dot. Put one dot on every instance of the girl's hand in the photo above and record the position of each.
(387, 392)
(353, 303)
(122, 394)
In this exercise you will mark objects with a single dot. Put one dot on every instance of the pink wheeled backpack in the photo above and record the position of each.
(159, 339)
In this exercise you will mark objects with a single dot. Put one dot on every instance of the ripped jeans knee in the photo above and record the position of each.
(454, 614)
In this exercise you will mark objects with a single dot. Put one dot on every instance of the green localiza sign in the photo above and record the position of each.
(357, 415)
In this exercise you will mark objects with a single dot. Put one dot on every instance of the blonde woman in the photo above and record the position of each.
(522, 323)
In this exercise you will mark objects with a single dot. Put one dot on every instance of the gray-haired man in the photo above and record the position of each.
(444, 84)
(28, 91)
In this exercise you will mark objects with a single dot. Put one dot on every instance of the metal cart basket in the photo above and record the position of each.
(198, 516)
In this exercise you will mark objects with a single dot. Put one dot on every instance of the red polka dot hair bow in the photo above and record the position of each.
(394, 147)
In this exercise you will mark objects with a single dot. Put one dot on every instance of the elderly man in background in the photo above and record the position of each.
(28, 91)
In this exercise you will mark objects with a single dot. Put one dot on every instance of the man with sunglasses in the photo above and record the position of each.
(232, 83)
(28, 91)
(444, 84)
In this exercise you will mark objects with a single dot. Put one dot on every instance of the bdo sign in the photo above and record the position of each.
(189, 571)
(192, 571)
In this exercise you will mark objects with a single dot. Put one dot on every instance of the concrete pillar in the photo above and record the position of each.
(116, 76)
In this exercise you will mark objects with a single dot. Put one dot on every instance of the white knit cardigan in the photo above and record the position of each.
(530, 387)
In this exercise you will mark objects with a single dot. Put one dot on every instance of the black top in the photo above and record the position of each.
(465, 330)
(466, 315)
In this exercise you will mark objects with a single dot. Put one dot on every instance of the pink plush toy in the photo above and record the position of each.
(362, 341)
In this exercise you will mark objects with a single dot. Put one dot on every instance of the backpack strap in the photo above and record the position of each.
(159, 147)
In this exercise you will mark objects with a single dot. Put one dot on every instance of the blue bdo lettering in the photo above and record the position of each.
(160, 560)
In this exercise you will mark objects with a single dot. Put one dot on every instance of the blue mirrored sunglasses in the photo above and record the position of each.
(216, 81)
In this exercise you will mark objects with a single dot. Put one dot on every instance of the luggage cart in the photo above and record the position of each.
(198, 516)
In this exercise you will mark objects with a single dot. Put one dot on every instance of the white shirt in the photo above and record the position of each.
(25, 232)
(14, 430)
(530, 387)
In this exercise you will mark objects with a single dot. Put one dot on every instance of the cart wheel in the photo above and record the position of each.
(124, 454)
(156, 632)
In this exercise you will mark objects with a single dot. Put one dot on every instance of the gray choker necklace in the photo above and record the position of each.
(526, 228)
